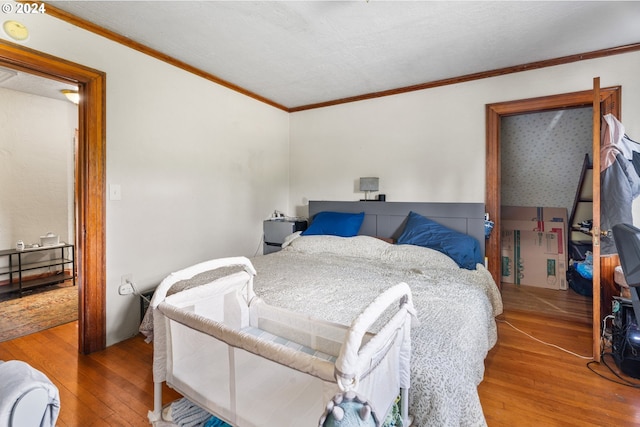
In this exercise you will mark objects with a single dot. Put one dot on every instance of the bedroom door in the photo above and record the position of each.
(595, 230)
(609, 102)
(603, 264)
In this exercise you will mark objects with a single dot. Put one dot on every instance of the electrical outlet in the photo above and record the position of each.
(125, 284)
(125, 289)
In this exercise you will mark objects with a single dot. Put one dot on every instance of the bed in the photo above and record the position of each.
(333, 278)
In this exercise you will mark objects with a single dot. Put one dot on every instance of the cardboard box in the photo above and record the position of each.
(534, 246)
(533, 213)
(508, 242)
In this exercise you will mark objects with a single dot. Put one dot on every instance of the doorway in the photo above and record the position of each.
(542, 155)
(90, 182)
(609, 103)
(37, 198)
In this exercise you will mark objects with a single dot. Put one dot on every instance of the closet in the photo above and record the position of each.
(542, 159)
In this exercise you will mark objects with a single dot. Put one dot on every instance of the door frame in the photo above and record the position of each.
(610, 102)
(89, 182)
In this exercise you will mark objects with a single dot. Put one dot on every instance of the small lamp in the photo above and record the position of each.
(367, 185)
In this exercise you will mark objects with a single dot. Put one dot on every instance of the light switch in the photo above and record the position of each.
(114, 192)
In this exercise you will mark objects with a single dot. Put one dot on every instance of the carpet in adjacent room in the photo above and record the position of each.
(42, 309)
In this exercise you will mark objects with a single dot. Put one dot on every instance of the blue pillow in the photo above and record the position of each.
(421, 231)
(335, 223)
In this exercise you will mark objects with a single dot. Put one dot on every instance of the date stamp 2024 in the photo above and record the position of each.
(23, 8)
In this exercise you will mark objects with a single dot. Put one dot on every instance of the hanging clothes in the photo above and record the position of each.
(619, 179)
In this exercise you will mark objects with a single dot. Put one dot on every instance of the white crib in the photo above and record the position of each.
(252, 364)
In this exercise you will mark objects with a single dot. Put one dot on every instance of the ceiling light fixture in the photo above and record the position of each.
(72, 95)
(15, 30)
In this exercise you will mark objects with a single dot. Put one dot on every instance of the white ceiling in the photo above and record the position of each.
(29, 83)
(297, 53)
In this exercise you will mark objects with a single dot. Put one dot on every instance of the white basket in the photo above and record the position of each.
(49, 240)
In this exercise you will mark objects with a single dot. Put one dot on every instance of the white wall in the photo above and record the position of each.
(430, 145)
(36, 167)
(200, 166)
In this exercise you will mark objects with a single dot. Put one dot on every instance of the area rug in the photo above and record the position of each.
(49, 307)
(183, 412)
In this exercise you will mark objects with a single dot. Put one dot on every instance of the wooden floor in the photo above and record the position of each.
(562, 304)
(531, 384)
(526, 383)
(108, 388)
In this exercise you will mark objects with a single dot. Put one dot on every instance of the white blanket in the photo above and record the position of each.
(18, 378)
(332, 278)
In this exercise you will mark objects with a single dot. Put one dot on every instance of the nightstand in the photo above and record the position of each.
(145, 298)
(276, 230)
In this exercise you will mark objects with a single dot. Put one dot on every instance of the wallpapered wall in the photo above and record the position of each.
(542, 156)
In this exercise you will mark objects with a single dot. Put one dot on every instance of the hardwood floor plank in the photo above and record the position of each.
(526, 383)
(116, 392)
(562, 304)
(113, 387)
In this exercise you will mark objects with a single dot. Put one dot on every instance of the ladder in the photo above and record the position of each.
(582, 212)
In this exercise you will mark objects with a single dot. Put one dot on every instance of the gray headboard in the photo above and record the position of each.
(387, 219)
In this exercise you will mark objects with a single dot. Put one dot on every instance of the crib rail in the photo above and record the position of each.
(356, 359)
(188, 273)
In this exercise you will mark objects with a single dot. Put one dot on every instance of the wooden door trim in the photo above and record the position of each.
(596, 100)
(494, 112)
(90, 182)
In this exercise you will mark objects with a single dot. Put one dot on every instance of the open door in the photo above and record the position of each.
(597, 117)
(604, 264)
(603, 101)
